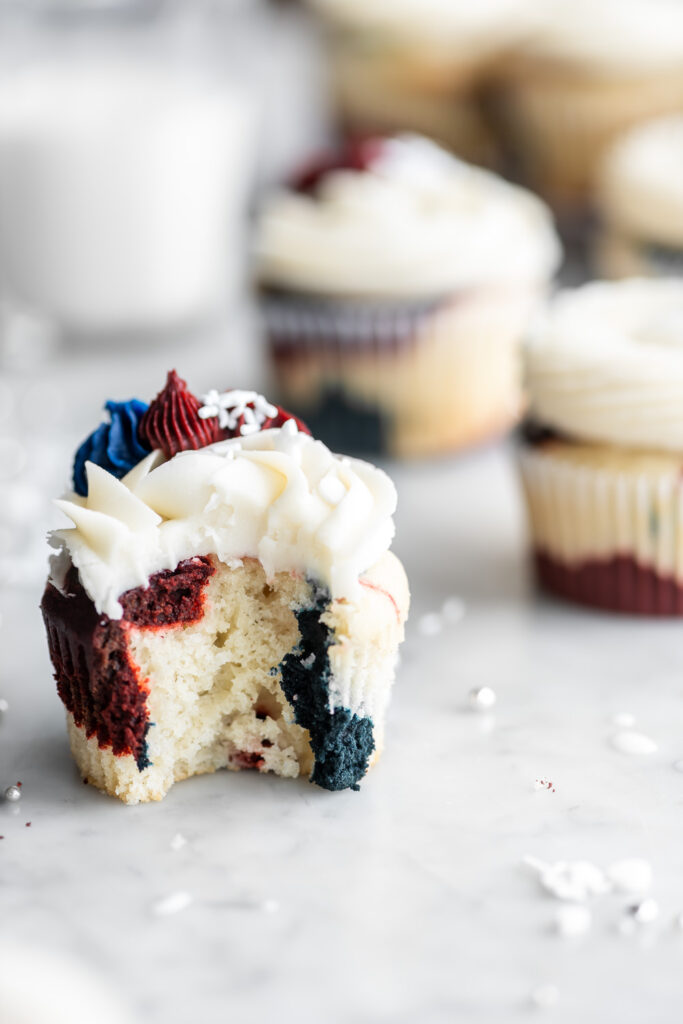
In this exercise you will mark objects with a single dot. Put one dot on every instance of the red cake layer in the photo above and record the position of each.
(618, 584)
(97, 679)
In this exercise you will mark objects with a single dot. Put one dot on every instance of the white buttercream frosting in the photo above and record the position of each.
(641, 187)
(460, 21)
(605, 364)
(278, 495)
(610, 34)
(418, 222)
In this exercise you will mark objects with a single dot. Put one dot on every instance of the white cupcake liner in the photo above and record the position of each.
(608, 537)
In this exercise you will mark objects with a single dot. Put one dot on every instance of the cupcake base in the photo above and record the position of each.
(558, 123)
(617, 584)
(214, 667)
(606, 524)
(403, 380)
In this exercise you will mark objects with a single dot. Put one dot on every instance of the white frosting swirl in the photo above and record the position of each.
(417, 223)
(641, 187)
(462, 22)
(279, 496)
(606, 364)
(610, 34)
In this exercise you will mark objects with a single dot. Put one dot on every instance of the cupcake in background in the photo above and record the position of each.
(640, 201)
(602, 451)
(592, 69)
(396, 283)
(418, 65)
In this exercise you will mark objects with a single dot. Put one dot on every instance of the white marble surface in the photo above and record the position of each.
(407, 901)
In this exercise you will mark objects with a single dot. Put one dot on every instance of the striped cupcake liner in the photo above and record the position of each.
(608, 538)
(407, 380)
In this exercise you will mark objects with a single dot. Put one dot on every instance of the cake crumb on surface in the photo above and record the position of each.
(173, 903)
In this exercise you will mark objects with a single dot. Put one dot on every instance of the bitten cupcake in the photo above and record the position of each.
(602, 454)
(419, 65)
(592, 69)
(396, 283)
(640, 199)
(225, 598)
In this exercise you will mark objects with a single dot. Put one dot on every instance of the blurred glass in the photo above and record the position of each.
(124, 165)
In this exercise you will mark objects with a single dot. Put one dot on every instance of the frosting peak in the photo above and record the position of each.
(277, 495)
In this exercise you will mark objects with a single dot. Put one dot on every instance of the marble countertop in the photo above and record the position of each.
(245, 897)
(407, 901)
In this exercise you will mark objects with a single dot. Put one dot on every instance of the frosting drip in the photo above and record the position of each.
(606, 364)
(277, 495)
(416, 222)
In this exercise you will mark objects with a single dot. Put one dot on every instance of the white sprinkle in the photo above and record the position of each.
(430, 624)
(308, 661)
(178, 841)
(12, 794)
(231, 406)
(629, 742)
(624, 720)
(482, 698)
(545, 996)
(270, 906)
(572, 920)
(646, 912)
(453, 609)
(575, 881)
(4, 705)
(632, 875)
(173, 903)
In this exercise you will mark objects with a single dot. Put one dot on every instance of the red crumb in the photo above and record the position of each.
(247, 759)
(28, 824)
(546, 784)
(381, 590)
(19, 785)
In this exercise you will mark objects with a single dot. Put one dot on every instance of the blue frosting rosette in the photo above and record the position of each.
(114, 446)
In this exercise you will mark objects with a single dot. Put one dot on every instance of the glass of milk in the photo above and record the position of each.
(122, 194)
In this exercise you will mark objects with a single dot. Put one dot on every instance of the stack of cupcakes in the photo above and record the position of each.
(593, 69)
(602, 454)
(397, 283)
(419, 65)
(641, 202)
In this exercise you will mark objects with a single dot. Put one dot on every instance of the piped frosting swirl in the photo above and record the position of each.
(605, 364)
(277, 495)
(416, 222)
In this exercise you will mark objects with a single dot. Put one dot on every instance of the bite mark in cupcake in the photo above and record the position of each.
(201, 614)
